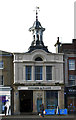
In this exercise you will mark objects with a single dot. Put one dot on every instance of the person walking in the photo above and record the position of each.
(42, 110)
(5, 109)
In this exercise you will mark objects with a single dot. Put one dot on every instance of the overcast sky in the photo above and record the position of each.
(17, 16)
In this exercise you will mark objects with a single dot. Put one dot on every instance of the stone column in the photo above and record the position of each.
(33, 78)
(16, 101)
(61, 98)
(53, 73)
(24, 77)
(44, 73)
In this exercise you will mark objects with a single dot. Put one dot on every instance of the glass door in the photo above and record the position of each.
(39, 102)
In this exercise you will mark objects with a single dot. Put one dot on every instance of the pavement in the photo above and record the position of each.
(37, 117)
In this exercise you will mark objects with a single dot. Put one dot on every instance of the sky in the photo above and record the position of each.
(17, 16)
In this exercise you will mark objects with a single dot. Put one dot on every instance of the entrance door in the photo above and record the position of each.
(39, 102)
(26, 101)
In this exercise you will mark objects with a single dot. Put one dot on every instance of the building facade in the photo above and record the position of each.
(6, 79)
(38, 76)
(69, 50)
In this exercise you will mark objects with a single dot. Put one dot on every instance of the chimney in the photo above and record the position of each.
(57, 45)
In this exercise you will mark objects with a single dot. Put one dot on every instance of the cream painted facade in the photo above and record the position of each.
(51, 59)
(37, 87)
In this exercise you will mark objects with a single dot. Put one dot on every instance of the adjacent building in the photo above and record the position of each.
(38, 76)
(6, 79)
(69, 50)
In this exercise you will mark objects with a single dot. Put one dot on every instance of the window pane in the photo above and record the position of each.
(72, 82)
(51, 99)
(1, 79)
(38, 72)
(1, 64)
(72, 79)
(38, 59)
(28, 72)
(71, 64)
(48, 73)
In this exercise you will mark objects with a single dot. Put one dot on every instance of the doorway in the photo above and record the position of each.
(39, 102)
(26, 100)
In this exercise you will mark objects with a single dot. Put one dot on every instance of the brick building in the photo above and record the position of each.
(69, 50)
(6, 78)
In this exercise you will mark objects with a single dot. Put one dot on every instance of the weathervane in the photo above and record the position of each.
(37, 9)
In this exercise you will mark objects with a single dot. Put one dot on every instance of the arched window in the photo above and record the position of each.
(38, 59)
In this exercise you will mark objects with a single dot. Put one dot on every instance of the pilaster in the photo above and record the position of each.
(16, 101)
(61, 98)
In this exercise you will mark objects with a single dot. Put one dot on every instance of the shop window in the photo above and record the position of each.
(1, 79)
(72, 79)
(51, 99)
(71, 64)
(28, 72)
(38, 72)
(1, 64)
(2, 104)
(48, 73)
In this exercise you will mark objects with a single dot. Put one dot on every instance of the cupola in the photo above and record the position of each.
(37, 31)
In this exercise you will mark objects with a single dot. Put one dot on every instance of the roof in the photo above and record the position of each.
(36, 25)
(4, 53)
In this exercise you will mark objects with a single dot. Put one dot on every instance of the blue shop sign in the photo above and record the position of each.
(63, 111)
(49, 111)
(52, 112)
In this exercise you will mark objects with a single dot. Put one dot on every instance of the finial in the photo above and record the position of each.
(37, 9)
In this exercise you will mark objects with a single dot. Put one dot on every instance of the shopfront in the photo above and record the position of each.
(70, 97)
(29, 98)
(5, 96)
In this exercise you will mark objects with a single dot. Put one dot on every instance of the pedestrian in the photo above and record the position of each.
(5, 109)
(42, 110)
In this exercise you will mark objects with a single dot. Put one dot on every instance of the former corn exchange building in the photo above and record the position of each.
(38, 76)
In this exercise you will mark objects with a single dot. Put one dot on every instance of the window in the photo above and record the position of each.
(28, 72)
(72, 79)
(48, 73)
(1, 64)
(71, 64)
(38, 72)
(51, 99)
(1, 79)
(38, 59)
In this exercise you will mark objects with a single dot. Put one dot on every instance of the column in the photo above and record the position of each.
(16, 101)
(61, 98)
(44, 73)
(24, 73)
(53, 73)
(33, 74)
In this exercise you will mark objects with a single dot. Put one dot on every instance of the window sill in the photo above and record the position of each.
(1, 68)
